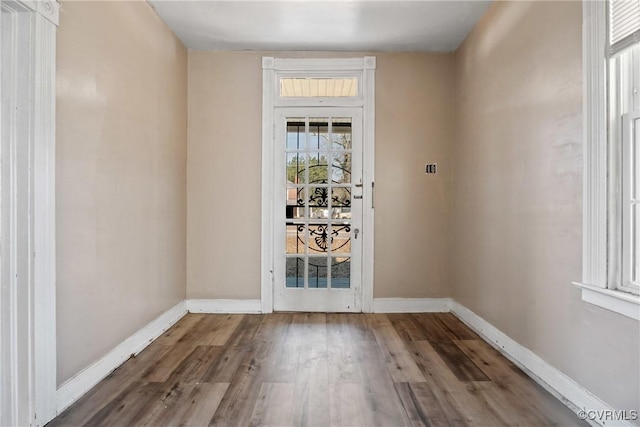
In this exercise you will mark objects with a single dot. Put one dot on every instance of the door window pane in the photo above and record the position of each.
(296, 134)
(295, 202)
(340, 273)
(294, 269)
(317, 272)
(341, 238)
(341, 168)
(318, 238)
(296, 236)
(341, 133)
(319, 134)
(296, 168)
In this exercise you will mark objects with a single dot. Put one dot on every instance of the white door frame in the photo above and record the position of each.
(272, 69)
(27, 213)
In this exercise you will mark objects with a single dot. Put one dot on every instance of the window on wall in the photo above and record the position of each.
(611, 241)
(625, 133)
(624, 128)
(318, 87)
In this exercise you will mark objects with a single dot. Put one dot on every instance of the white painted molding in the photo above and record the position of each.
(411, 305)
(594, 244)
(368, 172)
(268, 184)
(620, 302)
(572, 394)
(77, 386)
(27, 238)
(44, 209)
(318, 64)
(246, 306)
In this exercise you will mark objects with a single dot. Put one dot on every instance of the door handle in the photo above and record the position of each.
(357, 197)
(355, 233)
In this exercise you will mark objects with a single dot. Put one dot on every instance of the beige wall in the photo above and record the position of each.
(517, 204)
(121, 177)
(414, 125)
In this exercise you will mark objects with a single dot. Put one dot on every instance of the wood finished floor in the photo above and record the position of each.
(313, 369)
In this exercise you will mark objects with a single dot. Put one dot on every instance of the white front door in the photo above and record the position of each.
(318, 209)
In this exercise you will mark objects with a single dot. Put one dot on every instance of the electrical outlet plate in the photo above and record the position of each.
(430, 168)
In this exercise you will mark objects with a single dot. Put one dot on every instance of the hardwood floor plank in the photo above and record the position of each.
(454, 325)
(193, 367)
(399, 361)
(239, 400)
(165, 410)
(311, 403)
(434, 329)
(458, 362)
(225, 366)
(129, 407)
(407, 327)
(274, 406)
(427, 405)
(160, 371)
(246, 330)
(514, 384)
(448, 388)
(381, 401)
(178, 330)
(510, 408)
(342, 358)
(282, 365)
(110, 388)
(222, 327)
(348, 406)
(201, 404)
(433, 368)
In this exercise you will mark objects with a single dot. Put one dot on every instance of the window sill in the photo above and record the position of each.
(620, 302)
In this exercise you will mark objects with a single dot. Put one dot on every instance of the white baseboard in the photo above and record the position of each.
(572, 394)
(411, 305)
(245, 306)
(76, 387)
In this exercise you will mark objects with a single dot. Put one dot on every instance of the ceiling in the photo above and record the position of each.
(354, 25)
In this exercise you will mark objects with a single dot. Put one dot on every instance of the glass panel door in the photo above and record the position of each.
(322, 209)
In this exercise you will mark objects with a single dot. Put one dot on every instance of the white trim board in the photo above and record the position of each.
(572, 394)
(224, 306)
(412, 305)
(623, 303)
(81, 383)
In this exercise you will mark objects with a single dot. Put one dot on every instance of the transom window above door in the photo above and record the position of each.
(319, 87)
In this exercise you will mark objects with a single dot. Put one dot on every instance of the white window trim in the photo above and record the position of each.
(272, 68)
(594, 284)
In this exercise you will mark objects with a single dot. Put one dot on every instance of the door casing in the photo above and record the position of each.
(272, 69)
